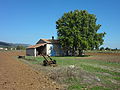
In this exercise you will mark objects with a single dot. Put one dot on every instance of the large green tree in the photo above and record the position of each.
(77, 31)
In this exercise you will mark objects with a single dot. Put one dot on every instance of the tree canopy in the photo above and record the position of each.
(20, 47)
(77, 30)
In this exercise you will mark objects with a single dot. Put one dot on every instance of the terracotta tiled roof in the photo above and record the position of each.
(46, 41)
(37, 45)
(50, 41)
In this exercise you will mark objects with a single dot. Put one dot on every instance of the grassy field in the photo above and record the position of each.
(82, 73)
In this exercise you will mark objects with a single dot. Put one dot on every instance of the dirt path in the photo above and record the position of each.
(14, 75)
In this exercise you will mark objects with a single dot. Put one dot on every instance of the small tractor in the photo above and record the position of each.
(50, 62)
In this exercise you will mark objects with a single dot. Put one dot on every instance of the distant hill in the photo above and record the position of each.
(6, 44)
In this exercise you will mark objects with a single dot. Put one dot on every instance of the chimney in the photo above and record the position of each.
(52, 37)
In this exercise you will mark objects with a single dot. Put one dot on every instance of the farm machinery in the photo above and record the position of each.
(50, 61)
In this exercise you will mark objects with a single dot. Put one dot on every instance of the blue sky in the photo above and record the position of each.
(26, 21)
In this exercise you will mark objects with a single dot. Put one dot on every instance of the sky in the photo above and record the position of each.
(27, 21)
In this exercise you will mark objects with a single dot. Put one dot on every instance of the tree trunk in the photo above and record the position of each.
(67, 53)
(73, 51)
(80, 52)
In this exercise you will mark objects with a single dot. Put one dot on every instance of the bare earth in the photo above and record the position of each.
(14, 75)
(109, 57)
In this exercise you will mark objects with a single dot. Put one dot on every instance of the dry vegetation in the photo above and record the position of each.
(98, 71)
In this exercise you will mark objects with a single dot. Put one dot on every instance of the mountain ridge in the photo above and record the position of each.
(6, 44)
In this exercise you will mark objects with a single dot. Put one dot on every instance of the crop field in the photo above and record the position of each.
(99, 71)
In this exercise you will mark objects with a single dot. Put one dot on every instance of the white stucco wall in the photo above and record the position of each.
(53, 50)
(48, 49)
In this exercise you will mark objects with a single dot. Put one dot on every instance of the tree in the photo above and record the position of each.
(107, 48)
(77, 31)
(102, 48)
(20, 47)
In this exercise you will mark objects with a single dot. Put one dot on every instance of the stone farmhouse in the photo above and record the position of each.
(49, 47)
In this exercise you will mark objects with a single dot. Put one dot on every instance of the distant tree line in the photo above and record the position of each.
(20, 47)
(109, 49)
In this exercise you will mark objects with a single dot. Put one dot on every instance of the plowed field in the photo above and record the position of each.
(109, 57)
(14, 75)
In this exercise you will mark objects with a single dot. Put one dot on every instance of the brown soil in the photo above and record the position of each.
(14, 75)
(109, 57)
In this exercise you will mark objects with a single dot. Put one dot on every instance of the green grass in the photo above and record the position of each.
(75, 84)
(76, 87)
(98, 69)
(34, 60)
(99, 88)
(106, 71)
